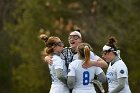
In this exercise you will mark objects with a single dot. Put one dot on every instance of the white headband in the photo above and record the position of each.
(76, 33)
(106, 48)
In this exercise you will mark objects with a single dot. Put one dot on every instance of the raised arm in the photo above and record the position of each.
(99, 63)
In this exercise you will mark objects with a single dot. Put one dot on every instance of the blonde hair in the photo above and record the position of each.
(84, 52)
(87, 55)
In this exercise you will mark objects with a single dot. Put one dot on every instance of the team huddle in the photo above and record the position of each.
(73, 69)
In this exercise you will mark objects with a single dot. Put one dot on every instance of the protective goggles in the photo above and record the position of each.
(59, 44)
(74, 37)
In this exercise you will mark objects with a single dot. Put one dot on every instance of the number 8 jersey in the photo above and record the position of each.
(83, 77)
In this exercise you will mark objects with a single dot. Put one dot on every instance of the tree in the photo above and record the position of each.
(21, 21)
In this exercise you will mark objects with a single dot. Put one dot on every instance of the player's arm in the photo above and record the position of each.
(60, 76)
(58, 66)
(101, 77)
(71, 76)
(71, 81)
(99, 63)
(95, 61)
(120, 86)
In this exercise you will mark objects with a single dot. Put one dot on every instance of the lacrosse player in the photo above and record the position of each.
(58, 71)
(69, 54)
(117, 72)
(79, 78)
(75, 39)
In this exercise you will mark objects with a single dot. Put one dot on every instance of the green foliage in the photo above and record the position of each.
(22, 70)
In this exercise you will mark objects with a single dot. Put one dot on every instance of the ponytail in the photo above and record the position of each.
(44, 37)
(87, 55)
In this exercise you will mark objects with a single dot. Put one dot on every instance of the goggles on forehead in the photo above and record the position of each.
(75, 37)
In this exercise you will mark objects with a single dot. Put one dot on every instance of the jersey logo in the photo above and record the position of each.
(122, 71)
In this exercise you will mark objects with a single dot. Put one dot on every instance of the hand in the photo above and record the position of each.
(48, 59)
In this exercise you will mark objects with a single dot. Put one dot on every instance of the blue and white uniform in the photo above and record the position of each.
(68, 55)
(83, 76)
(92, 56)
(116, 71)
(58, 86)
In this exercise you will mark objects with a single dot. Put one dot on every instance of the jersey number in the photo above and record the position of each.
(86, 78)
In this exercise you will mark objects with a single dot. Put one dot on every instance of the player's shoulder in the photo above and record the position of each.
(56, 57)
(92, 53)
(75, 62)
(120, 62)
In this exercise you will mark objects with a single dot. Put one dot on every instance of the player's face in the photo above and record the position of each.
(74, 40)
(59, 46)
(107, 56)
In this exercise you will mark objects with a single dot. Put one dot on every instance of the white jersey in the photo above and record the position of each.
(92, 56)
(57, 86)
(83, 76)
(116, 71)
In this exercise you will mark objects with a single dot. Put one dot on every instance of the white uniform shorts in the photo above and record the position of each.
(59, 89)
(79, 90)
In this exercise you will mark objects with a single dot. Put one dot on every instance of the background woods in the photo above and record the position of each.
(21, 67)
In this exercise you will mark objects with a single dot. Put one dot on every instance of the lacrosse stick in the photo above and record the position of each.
(68, 55)
(98, 85)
